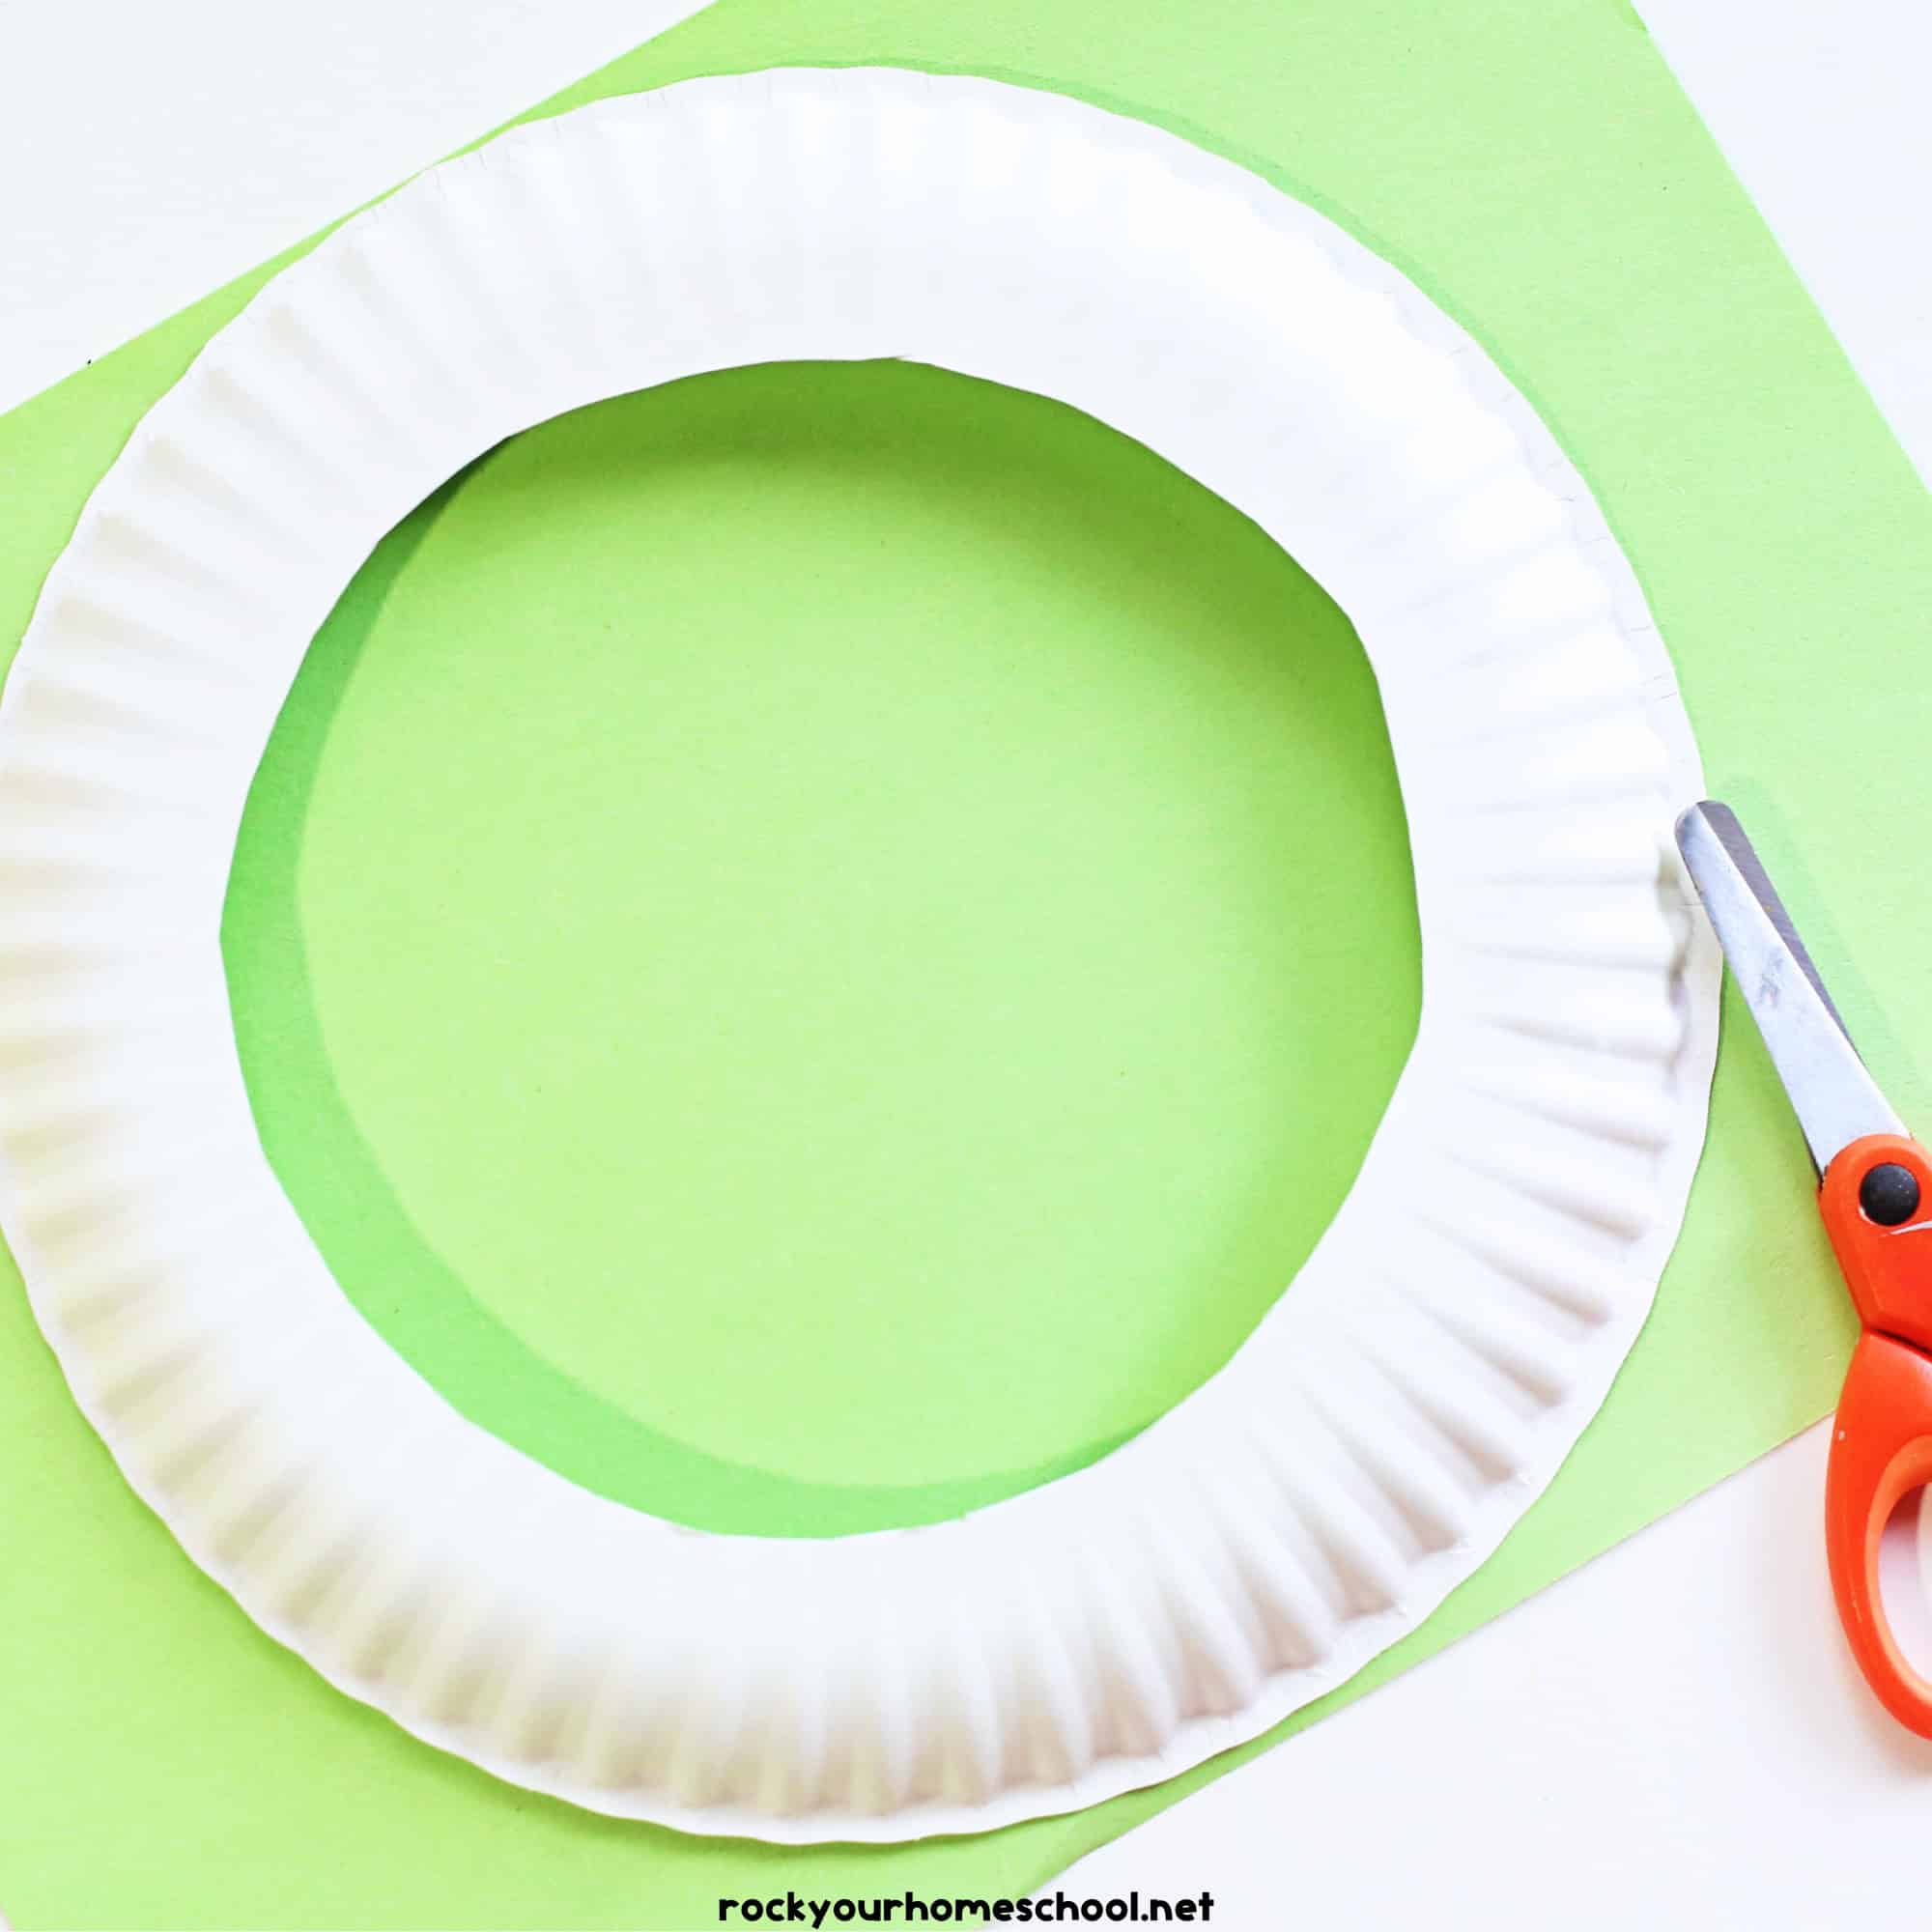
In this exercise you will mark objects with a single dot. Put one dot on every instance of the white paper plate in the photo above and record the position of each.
(1431, 1363)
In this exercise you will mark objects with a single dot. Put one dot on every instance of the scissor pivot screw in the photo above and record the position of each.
(1889, 1194)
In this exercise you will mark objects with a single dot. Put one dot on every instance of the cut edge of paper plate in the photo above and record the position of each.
(1396, 1411)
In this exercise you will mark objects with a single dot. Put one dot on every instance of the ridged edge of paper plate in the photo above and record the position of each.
(1395, 1412)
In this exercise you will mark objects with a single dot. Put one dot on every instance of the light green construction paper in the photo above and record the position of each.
(865, 1025)
(1534, 167)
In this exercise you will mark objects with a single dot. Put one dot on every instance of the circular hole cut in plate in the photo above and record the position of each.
(1391, 1416)
(876, 849)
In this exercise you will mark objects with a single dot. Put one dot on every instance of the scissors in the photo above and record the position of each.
(1875, 1195)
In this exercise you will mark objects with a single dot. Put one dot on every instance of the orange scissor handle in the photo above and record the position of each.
(1881, 1441)
(1881, 1451)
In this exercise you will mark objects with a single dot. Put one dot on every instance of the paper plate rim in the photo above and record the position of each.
(1306, 1507)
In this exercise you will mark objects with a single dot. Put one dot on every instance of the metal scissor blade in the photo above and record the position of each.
(1835, 1097)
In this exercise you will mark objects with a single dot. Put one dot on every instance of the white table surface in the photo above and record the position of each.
(1674, 1735)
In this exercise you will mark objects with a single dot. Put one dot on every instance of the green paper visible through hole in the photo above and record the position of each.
(815, 946)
